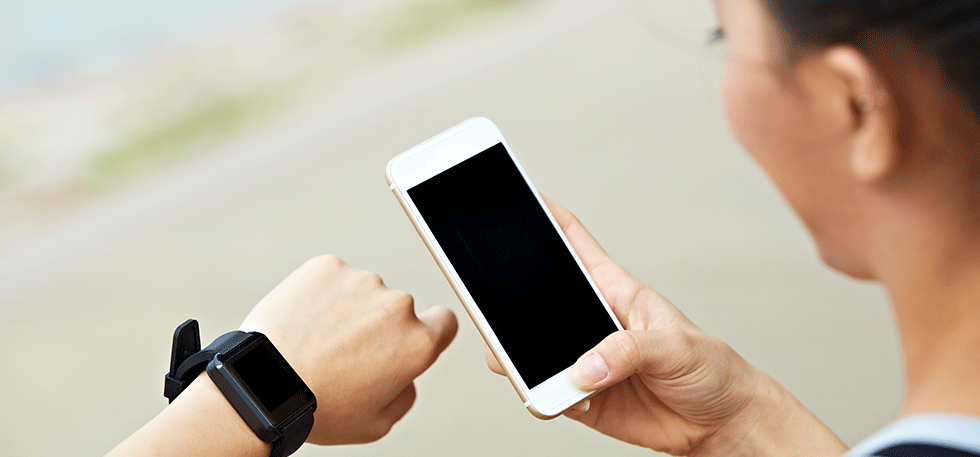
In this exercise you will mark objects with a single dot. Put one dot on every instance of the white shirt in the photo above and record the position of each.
(961, 433)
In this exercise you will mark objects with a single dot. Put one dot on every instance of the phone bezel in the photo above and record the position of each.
(438, 154)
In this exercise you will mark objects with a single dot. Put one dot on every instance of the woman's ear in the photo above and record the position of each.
(873, 154)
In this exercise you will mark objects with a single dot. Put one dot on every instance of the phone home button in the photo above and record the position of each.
(556, 394)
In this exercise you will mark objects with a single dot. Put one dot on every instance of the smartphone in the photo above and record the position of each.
(505, 257)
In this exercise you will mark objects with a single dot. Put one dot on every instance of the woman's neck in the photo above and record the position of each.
(934, 283)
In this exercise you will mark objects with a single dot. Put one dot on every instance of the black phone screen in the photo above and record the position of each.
(513, 263)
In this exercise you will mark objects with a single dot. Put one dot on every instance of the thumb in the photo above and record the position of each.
(659, 353)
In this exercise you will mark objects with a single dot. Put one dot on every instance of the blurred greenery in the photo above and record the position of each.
(176, 138)
(422, 19)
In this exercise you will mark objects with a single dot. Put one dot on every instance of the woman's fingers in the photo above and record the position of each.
(399, 407)
(583, 242)
(435, 329)
(582, 406)
(442, 325)
(493, 363)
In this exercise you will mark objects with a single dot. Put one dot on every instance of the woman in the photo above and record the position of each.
(865, 113)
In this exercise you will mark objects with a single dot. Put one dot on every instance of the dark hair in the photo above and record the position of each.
(948, 30)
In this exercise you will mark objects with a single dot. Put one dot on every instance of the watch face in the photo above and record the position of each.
(273, 384)
(260, 371)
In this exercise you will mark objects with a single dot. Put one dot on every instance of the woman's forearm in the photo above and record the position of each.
(200, 422)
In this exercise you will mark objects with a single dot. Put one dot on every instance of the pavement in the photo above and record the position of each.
(618, 126)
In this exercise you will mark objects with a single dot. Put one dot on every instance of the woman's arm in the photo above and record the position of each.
(200, 422)
(357, 344)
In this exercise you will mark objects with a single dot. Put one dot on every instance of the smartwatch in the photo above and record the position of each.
(255, 378)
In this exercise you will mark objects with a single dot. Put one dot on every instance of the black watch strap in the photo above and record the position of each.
(294, 435)
(187, 359)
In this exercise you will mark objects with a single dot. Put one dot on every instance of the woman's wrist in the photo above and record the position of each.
(773, 423)
(229, 432)
(199, 422)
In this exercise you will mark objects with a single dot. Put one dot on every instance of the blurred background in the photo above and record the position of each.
(163, 160)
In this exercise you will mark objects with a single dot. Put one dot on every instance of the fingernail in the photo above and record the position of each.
(589, 370)
(582, 406)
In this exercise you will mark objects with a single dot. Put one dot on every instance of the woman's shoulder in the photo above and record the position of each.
(929, 435)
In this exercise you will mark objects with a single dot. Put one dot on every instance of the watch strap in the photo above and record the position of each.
(187, 359)
(294, 435)
(187, 342)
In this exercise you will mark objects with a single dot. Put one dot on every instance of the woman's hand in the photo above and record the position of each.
(667, 385)
(357, 344)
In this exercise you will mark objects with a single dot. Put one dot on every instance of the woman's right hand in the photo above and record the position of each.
(667, 385)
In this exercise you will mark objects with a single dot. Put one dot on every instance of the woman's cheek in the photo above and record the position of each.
(770, 126)
(763, 119)
(740, 110)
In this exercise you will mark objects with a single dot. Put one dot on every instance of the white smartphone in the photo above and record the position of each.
(506, 258)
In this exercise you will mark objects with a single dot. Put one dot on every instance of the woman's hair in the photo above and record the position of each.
(948, 30)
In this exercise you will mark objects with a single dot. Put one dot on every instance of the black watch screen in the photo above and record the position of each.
(271, 387)
(273, 384)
